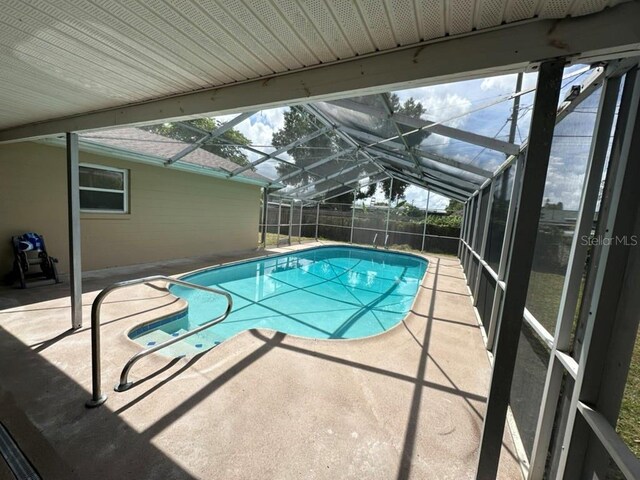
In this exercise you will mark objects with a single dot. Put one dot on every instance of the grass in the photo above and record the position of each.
(629, 420)
(272, 239)
(543, 298)
(543, 301)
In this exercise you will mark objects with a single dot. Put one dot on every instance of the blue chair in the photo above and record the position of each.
(31, 259)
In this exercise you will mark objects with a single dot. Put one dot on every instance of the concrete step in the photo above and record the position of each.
(182, 348)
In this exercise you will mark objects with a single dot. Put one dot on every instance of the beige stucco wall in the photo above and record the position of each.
(173, 214)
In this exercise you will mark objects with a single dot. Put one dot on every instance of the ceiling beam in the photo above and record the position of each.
(376, 179)
(422, 184)
(584, 90)
(337, 129)
(238, 145)
(376, 141)
(612, 33)
(281, 150)
(431, 126)
(221, 130)
(430, 180)
(328, 177)
(432, 173)
(319, 163)
(386, 101)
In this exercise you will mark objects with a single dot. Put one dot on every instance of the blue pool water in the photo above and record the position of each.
(324, 292)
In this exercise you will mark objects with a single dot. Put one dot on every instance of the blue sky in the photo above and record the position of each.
(481, 106)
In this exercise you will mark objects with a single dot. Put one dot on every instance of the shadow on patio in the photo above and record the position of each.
(405, 404)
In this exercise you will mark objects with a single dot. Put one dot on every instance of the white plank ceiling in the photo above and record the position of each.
(63, 57)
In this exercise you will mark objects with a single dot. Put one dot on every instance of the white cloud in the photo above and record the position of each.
(267, 169)
(564, 182)
(507, 83)
(440, 105)
(258, 132)
(503, 83)
(274, 117)
(418, 197)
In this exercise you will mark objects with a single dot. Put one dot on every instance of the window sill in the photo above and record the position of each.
(104, 216)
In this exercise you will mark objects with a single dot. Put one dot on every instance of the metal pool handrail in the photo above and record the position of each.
(97, 397)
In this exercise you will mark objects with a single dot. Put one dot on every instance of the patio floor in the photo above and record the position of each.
(405, 404)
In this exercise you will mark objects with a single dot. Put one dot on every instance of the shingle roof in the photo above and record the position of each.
(143, 142)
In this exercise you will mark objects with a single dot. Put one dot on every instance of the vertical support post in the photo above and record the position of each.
(516, 107)
(471, 208)
(265, 215)
(483, 242)
(476, 222)
(73, 212)
(463, 226)
(520, 261)
(300, 223)
(426, 215)
(353, 215)
(577, 258)
(290, 219)
(610, 320)
(468, 209)
(279, 219)
(504, 252)
(317, 219)
(386, 226)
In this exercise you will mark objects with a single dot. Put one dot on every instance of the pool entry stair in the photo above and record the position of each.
(322, 293)
(97, 397)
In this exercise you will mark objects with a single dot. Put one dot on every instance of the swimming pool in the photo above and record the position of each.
(323, 292)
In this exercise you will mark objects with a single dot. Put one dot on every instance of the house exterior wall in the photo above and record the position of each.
(172, 214)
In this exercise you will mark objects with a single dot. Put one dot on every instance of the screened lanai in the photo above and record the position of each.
(446, 142)
(475, 149)
(522, 114)
(452, 146)
(473, 142)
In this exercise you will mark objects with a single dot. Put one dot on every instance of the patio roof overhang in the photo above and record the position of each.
(86, 97)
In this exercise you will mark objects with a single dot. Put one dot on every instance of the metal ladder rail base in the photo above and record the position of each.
(97, 397)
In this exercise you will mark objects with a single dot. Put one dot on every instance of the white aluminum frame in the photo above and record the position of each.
(124, 191)
(596, 440)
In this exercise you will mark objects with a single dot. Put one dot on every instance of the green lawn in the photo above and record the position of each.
(543, 298)
(272, 238)
(543, 301)
(629, 419)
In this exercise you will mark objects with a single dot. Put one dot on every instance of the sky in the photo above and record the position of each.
(482, 106)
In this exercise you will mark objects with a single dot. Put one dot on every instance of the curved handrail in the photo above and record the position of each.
(97, 397)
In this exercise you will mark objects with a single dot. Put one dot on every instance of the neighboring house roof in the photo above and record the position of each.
(140, 141)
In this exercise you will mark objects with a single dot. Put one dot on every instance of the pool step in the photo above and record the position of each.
(155, 337)
(199, 340)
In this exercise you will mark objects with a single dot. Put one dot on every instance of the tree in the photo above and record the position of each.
(411, 211)
(299, 123)
(398, 189)
(385, 128)
(231, 151)
(553, 206)
(454, 208)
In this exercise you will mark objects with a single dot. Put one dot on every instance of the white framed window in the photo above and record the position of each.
(103, 189)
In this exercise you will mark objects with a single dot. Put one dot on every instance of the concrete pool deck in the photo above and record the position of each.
(405, 404)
